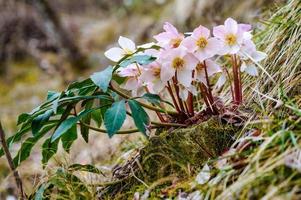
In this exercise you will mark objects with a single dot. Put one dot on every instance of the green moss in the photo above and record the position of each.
(179, 153)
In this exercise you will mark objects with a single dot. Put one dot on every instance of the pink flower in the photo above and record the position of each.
(231, 34)
(132, 74)
(128, 47)
(212, 68)
(201, 44)
(250, 56)
(184, 91)
(151, 76)
(171, 38)
(177, 62)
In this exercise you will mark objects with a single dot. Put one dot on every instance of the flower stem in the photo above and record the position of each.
(142, 104)
(173, 97)
(236, 81)
(175, 82)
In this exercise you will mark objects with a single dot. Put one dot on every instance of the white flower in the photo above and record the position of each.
(128, 47)
(204, 175)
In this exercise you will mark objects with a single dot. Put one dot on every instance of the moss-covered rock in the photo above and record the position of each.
(178, 153)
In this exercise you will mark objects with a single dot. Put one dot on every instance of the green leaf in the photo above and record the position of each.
(39, 195)
(139, 115)
(84, 130)
(28, 144)
(97, 117)
(102, 79)
(69, 137)
(39, 121)
(140, 59)
(48, 150)
(86, 168)
(154, 99)
(64, 127)
(22, 118)
(51, 95)
(114, 117)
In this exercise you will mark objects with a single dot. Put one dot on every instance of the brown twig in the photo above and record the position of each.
(11, 164)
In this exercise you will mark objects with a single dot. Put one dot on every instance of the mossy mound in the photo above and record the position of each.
(179, 153)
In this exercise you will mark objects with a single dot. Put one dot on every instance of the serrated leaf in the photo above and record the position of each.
(48, 150)
(102, 79)
(69, 137)
(52, 95)
(38, 122)
(139, 115)
(84, 130)
(22, 118)
(86, 168)
(114, 117)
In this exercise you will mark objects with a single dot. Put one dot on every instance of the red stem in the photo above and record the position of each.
(173, 97)
(175, 82)
(236, 81)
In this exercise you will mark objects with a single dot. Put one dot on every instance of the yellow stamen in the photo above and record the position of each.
(202, 42)
(199, 67)
(175, 42)
(156, 72)
(231, 39)
(178, 63)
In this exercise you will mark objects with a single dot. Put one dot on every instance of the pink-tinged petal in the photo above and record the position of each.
(200, 76)
(147, 45)
(234, 49)
(201, 31)
(115, 54)
(258, 56)
(168, 27)
(163, 37)
(158, 86)
(202, 55)
(184, 77)
(190, 62)
(219, 32)
(247, 36)
(231, 25)
(167, 72)
(130, 84)
(212, 67)
(245, 27)
(127, 44)
(147, 76)
(214, 45)
(130, 70)
(251, 70)
(190, 44)
(183, 93)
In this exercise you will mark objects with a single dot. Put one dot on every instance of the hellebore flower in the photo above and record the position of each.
(249, 56)
(183, 91)
(177, 62)
(212, 68)
(151, 76)
(201, 44)
(231, 34)
(128, 47)
(171, 38)
(132, 74)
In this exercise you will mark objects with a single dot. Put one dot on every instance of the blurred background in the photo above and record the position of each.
(46, 44)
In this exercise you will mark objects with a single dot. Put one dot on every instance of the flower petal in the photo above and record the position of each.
(201, 31)
(167, 72)
(190, 44)
(184, 77)
(212, 67)
(251, 70)
(126, 44)
(231, 25)
(190, 61)
(115, 54)
(219, 31)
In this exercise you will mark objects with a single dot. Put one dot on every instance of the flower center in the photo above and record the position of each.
(199, 67)
(178, 63)
(156, 71)
(202, 42)
(175, 42)
(231, 39)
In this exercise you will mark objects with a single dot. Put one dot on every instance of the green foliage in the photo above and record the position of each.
(103, 78)
(139, 115)
(114, 117)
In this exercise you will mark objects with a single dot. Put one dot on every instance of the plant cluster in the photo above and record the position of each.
(182, 66)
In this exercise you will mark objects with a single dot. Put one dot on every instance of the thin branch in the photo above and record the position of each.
(11, 163)
(142, 104)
